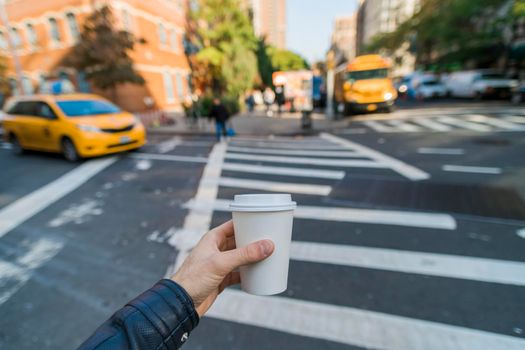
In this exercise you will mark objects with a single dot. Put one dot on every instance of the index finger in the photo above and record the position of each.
(223, 231)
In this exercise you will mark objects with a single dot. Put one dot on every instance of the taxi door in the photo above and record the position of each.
(47, 128)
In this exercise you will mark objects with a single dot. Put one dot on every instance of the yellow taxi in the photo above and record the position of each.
(76, 125)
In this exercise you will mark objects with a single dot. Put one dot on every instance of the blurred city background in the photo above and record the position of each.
(397, 126)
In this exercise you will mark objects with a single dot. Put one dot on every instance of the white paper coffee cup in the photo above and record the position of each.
(264, 216)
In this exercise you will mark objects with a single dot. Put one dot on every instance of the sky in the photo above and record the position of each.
(310, 22)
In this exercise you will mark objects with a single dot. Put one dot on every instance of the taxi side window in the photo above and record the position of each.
(26, 108)
(45, 111)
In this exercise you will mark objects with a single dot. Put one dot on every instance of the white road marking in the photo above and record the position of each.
(169, 145)
(378, 126)
(402, 168)
(293, 152)
(78, 213)
(140, 155)
(318, 190)
(13, 275)
(274, 170)
(366, 216)
(343, 163)
(431, 124)
(5, 145)
(471, 169)
(367, 329)
(447, 151)
(499, 123)
(444, 265)
(461, 123)
(25, 207)
(404, 126)
(322, 146)
(521, 233)
(198, 222)
(354, 131)
(143, 164)
(515, 119)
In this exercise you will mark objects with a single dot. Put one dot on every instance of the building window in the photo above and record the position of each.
(73, 26)
(168, 86)
(162, 34)
(55, 33)
(3, 41)
(27, 85)
(15, 36)
(173, 40)
(31, 35)
(126, 20)
(180, 87)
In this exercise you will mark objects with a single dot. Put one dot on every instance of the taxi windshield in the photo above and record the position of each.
(367, 74)
(80, 108)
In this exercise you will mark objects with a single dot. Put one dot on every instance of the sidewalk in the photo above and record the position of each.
(254, 124)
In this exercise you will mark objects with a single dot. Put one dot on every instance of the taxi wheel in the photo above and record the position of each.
(16, 147)
(69, 150)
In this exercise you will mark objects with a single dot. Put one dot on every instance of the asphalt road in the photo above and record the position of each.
(410, 234)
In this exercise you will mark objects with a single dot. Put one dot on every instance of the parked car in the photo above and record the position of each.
(76, 125)
(428, 86)
(479, 84)
(518, 94)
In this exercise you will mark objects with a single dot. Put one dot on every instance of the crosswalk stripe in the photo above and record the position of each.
(291, 152)
(402, 168)
(285, 171)
(515, 119)
(346, 325)
(5, 145)
(471, 169)
(379, 127)
(447, 151)
(431, 124)
(458, 122)
(452, 266)
(404, 126)
(338, 214)
(168, 157)
(310, 161)
(287, 187)
(499, 123)
(19, 211)
(322, 146)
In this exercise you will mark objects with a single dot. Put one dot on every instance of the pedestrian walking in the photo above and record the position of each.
(269, 98)
(220, 113)
(250, 102)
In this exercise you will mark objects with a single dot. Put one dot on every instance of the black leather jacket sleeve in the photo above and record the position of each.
(161, 318)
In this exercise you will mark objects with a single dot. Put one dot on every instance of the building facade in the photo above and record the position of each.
(384, 16)
(269, 21)
(344, 36)
(43, 32)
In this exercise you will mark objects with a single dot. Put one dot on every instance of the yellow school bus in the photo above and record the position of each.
(364, 85)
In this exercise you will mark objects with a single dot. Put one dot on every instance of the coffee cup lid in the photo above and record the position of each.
(263, 202)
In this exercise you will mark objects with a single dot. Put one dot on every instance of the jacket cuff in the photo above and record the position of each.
(170, 310)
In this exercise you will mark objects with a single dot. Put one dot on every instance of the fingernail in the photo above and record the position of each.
(267, 247)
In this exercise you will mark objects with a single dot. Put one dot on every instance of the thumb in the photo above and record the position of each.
(252, 253)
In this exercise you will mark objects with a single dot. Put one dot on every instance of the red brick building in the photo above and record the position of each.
(44, 31)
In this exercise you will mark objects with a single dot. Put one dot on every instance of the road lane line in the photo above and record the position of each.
(343, 163)
(25, 207)
(461, 123)
(168, 157)
(521, 233)
(471, 169)
(286, 145)
(292, 152)
(447, 151)
(443, 265)
(14, 275)
(514, 119)
(367, 329)
(379, 127)
(404, 126)
(316, 190)
(197, 222)
(400, 167)
(169, 145)
(431, 124)
(366, 216)
(285, 171)
(499, 123)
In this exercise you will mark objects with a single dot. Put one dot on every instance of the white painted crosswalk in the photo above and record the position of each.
(284, 165)
(447, 123)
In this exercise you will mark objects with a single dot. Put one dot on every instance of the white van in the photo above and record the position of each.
(479, 84)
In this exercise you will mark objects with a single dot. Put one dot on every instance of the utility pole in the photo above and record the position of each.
(12, 48)
(330, 84)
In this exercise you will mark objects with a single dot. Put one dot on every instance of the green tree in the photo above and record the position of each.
(446, 32)
(286, 60)
(264, 63)
(224, 34)
(103, 52)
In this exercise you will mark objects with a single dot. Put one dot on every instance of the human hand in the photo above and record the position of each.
(209, 267)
